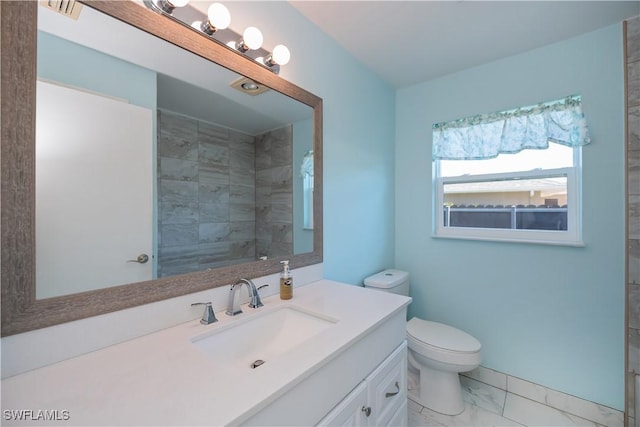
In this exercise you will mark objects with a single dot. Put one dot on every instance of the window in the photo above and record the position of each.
(528, 189)
(306, 171)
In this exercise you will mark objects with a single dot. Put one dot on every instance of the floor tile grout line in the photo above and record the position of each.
(504, 403)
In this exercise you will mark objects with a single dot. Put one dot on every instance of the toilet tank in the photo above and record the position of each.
(394, 281)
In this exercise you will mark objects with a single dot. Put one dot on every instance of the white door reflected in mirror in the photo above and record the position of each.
(88, 170)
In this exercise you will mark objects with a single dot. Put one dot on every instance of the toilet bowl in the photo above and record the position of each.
(437, 352)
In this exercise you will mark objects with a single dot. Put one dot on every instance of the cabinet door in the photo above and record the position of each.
(351, 411)
(400, 418)
(388, 387)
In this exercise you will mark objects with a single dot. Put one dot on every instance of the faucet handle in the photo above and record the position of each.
(255, 298)
(208, 316)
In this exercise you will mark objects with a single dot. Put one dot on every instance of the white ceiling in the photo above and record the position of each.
(407, 42)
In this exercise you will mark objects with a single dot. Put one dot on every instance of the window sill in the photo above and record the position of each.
(571, 243)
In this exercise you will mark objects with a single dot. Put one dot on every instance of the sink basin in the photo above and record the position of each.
(249, 343)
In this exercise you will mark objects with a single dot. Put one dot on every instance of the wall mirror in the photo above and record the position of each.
(225, 198)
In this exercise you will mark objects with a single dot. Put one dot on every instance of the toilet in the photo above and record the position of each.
(437, 352)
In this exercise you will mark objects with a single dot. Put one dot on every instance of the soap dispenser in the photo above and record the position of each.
(286, 281)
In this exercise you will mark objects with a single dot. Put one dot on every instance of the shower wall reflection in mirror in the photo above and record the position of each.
(148, 163)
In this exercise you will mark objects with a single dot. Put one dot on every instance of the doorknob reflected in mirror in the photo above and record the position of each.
(142, 259)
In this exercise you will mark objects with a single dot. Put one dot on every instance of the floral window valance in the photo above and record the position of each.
(488, 135)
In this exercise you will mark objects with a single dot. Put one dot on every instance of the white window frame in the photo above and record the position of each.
(307, 189)
(571, 237)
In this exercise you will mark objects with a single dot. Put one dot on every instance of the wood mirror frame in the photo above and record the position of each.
(21, 311)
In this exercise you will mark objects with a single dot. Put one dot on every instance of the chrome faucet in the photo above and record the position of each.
(208, 316)
(234, 303)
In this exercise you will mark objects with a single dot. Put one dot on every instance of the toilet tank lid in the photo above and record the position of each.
(387, 279)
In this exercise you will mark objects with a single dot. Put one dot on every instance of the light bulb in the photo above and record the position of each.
(252, 38)
(169, 5)
(250, 86)
(219, 16)
(281, 55)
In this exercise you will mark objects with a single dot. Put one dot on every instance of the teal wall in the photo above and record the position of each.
(359, 139)
(548, 314)
(552, 315)
(78, 66)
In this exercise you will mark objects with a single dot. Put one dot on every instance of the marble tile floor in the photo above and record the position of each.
(495, 399)
(473, 415)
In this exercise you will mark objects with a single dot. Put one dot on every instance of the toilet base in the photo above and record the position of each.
(438, 391)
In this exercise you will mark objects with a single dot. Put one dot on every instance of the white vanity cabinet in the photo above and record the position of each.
(379, 400)
(356, 362)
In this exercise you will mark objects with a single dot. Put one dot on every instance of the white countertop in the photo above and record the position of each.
(163, 379)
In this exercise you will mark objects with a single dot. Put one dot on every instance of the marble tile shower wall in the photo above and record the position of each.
(274, 193)
(633, 214)
(206, 195)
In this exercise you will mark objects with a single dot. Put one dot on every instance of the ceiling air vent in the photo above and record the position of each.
(70, 8)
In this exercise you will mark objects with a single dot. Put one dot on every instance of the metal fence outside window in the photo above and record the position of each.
(518, 217)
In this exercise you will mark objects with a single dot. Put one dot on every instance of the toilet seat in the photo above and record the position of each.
(438, 336)
(443, 343)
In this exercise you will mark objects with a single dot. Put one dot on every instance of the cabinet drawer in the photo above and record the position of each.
(388, 386)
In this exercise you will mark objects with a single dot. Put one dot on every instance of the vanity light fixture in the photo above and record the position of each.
(215, 24)
(169, 5)
(251, 39)
(218, 18)
(280, 56)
